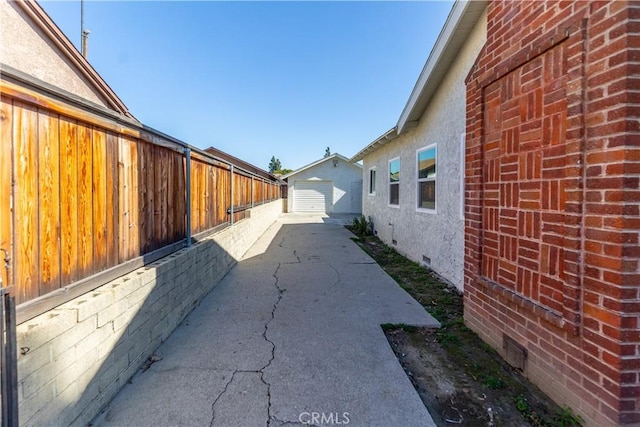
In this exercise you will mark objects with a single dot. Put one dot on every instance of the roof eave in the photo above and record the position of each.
(317, 162)
(49, 27)
(454, 33)
(388, 136)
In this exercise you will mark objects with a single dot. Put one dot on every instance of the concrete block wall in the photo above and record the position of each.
(73, 359)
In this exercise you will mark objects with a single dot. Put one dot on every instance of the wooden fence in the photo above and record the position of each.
(81, 192)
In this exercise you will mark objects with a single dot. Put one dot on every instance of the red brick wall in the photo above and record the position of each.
(553, 198)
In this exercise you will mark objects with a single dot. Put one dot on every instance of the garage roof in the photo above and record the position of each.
(317, 162)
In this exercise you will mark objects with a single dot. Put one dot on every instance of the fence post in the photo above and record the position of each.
(187, 152)
(231, 209)
(251, 190)
(8, 357)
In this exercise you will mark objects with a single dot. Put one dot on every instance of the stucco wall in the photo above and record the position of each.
(75, 358)
(342, 176)
(438, 236)
(24, 47)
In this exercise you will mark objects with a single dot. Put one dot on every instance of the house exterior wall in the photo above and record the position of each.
(75, 358)
(342, 176)
(24, 47)
(552, 206)
(438, 236)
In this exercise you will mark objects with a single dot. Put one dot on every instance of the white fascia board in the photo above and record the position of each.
(317, 162)
(389, 135)
(427, 75)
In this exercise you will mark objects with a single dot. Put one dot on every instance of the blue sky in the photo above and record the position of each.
(257, 79)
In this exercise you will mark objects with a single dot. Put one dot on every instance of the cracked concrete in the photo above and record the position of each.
(292, 330)
(246, 390)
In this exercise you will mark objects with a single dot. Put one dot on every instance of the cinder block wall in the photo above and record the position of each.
(552, 206)
(73, 360)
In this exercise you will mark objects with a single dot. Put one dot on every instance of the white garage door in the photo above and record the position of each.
(312, 196)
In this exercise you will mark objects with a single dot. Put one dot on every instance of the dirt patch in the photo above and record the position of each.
(460, 379)
(452, 397)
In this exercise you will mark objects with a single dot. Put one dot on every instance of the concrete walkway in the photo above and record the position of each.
(290, 336)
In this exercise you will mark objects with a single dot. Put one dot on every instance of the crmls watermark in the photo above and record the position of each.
(324, 418)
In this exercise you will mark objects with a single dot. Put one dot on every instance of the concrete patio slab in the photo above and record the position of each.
(290, 336)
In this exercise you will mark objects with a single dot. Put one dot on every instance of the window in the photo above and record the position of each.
(427, 178)
(394, 182)
(372, 181)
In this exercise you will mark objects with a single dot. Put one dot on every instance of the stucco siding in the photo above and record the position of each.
(434, 238)
(342, 176)
(24, 47)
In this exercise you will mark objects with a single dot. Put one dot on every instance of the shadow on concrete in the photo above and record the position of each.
(292, 330)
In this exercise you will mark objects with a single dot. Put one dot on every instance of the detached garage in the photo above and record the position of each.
(329, 185)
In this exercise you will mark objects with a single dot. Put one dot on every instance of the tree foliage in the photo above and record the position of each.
(327, 152)
(274, 165)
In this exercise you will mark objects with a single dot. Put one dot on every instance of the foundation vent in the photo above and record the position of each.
(515, 354)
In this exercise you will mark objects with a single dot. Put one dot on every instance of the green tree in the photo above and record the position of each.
(274, 164)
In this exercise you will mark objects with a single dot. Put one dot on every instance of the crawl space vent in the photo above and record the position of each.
(515, 354)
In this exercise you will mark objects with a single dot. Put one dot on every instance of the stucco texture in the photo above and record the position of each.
(343, 176)
(435, 238)
(24, 47)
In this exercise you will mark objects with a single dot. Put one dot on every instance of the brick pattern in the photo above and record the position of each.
(74, 359)
(553, 198)
(524, 179)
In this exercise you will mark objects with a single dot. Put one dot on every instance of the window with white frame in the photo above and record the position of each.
(394, 182)
(372, 181)
(427, 158)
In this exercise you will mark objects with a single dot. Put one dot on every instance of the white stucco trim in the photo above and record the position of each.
(388, 181)
(417, 163)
